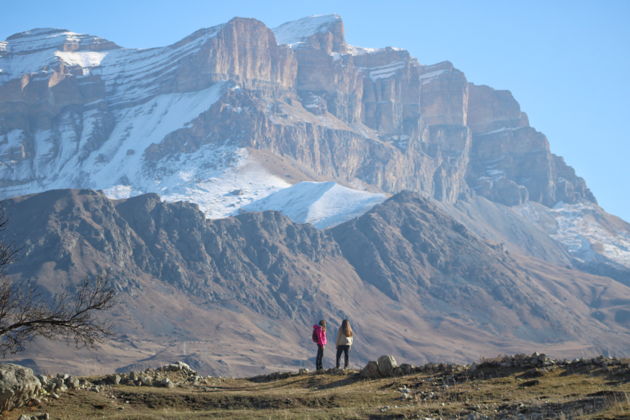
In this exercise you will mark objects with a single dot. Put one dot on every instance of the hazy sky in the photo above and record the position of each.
(566, 62)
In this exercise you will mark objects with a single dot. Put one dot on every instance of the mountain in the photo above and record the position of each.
(497, 245)
(238, 295)
(233, 113)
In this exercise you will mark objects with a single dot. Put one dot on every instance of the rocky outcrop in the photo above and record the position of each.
(195, 276)
(260, 259)
(18, 386)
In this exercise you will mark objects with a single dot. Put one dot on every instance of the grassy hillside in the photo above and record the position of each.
(498, 388)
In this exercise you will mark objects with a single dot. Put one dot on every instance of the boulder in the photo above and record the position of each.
(72, 382)
(406, 369)
(166, 383)
(111, 380)
(370, 370)
(386, 365)
(18, 386)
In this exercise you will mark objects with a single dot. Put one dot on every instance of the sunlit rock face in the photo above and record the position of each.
(79, 111)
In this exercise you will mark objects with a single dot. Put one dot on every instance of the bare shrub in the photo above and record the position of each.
(25, 313)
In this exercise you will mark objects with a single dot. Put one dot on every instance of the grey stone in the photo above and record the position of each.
(166, 383)
(370, 370)
(18, 386)
(406, 369)
(37, 416)
(386, 365)
(72, 382)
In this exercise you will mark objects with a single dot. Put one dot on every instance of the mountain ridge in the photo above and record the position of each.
(236, 286)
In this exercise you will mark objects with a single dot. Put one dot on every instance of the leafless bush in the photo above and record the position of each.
(25, 313)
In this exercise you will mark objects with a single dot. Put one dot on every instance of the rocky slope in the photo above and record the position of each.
(243, 108)
(238, 295)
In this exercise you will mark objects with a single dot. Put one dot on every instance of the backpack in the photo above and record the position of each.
(315, 336)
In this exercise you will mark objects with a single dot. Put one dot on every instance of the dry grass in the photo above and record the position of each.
(555, 393)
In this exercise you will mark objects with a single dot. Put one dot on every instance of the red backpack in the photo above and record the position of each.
(315, 336)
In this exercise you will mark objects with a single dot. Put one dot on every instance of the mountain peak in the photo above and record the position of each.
(38, 39)
(35, 32)
(320, 32)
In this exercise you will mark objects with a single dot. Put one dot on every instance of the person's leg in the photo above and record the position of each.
(345, 356)
(320, 356)
(339, 350)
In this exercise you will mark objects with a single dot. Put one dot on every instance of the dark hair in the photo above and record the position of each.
(346, 328)
(323, 324)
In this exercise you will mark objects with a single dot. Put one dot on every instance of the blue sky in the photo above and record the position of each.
(566, 62)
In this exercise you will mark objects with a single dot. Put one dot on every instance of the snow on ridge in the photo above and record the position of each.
(499, 130)
(218, 178)
(323, 204)
(36, 32)
(50, 38)
(234, 180)
(386, 71)
(83, 59)
(354, 50)
(295, 32)
(63, 158)
(124, 70)
(583, 231)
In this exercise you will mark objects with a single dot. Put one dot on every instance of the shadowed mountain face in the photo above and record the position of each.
(239, 295)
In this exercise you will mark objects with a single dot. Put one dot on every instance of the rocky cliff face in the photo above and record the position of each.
(357, 115)
(240, 285)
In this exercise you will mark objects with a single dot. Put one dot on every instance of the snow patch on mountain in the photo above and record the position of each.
(219, 180)
(50, 38)
(36, 52)
(295, 32)
(323, 204)
(84, 59)
(129, 74)
(386, 71)
(65, 158)
(583, 228)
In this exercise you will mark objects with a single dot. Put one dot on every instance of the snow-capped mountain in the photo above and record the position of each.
(233, 117)
(493, 249)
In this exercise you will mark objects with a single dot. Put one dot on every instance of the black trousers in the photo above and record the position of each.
(342, 349)
(320, 357)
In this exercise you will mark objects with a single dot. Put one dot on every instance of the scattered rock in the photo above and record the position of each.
(18, 386)
(38, 416)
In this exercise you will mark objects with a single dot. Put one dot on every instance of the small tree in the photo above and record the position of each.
(24, 313)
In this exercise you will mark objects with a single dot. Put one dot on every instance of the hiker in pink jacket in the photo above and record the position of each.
(319, 337)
